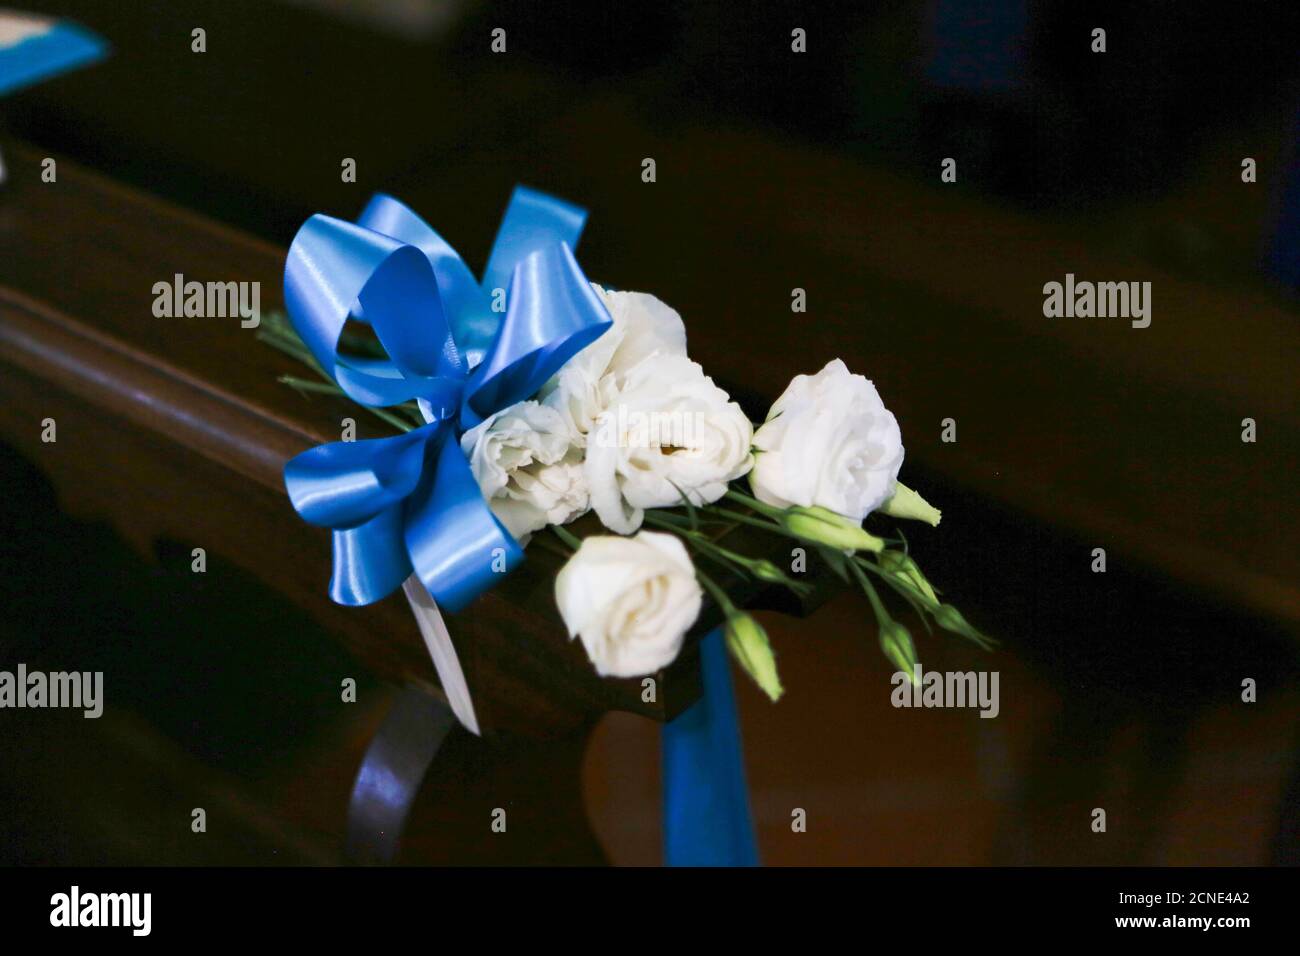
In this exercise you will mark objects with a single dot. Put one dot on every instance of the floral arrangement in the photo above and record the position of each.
(603, 412)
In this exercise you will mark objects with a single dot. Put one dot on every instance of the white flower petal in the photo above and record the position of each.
(828, 441)
(525, 463)
(630, 600)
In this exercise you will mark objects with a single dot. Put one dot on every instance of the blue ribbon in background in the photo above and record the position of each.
(59, 47)
(410, 502)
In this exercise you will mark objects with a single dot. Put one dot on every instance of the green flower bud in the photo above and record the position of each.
(826, 527)
(749, 645)
(902, 566)
(951, 619)
(893, 562)
(896, 642)
(765, 570)
(906, 503)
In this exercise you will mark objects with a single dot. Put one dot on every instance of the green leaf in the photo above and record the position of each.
(690, 506)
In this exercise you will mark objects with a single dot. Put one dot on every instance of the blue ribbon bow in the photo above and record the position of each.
(410, 503)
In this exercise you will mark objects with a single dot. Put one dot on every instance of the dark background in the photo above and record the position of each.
(1119, 690)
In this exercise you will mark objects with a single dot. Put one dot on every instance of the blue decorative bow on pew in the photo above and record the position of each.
(410, 503)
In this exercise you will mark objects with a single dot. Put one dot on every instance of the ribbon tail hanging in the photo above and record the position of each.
(707, 820)
(436, 638)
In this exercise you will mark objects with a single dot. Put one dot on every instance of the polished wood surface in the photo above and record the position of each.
(166, 407)
(155, 415)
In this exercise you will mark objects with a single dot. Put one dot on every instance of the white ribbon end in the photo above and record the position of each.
(434, 631)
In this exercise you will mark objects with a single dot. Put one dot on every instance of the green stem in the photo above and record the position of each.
(700, 542)
(392, 419)
(905, 588)
(553, 545)
(329, 388)
(668, 518)
(750, 502)
(877, 606)
(902, 588)
(289, 343)
(717, 593)
(279, 335)
(747, 519)
(307, 385)
(568, 537)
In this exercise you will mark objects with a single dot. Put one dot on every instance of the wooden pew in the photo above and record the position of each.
(177, 429)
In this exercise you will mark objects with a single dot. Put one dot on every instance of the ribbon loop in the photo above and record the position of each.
(346, 483)
(533, 221)
(370, 560)
(552, 313)
(335, 269)
(468, 307)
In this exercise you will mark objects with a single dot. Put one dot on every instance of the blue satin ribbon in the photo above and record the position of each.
(706, 802)
(410, 503)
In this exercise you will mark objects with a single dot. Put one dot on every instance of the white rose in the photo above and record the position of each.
(828, 441)
(630, 600)
(642, 327)
(667, 431)
(527, 468)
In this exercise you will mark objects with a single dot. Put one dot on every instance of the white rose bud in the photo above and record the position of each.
(630, 600)
(668, 432)
(643, 326)
(828, 441)
(527, 468)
